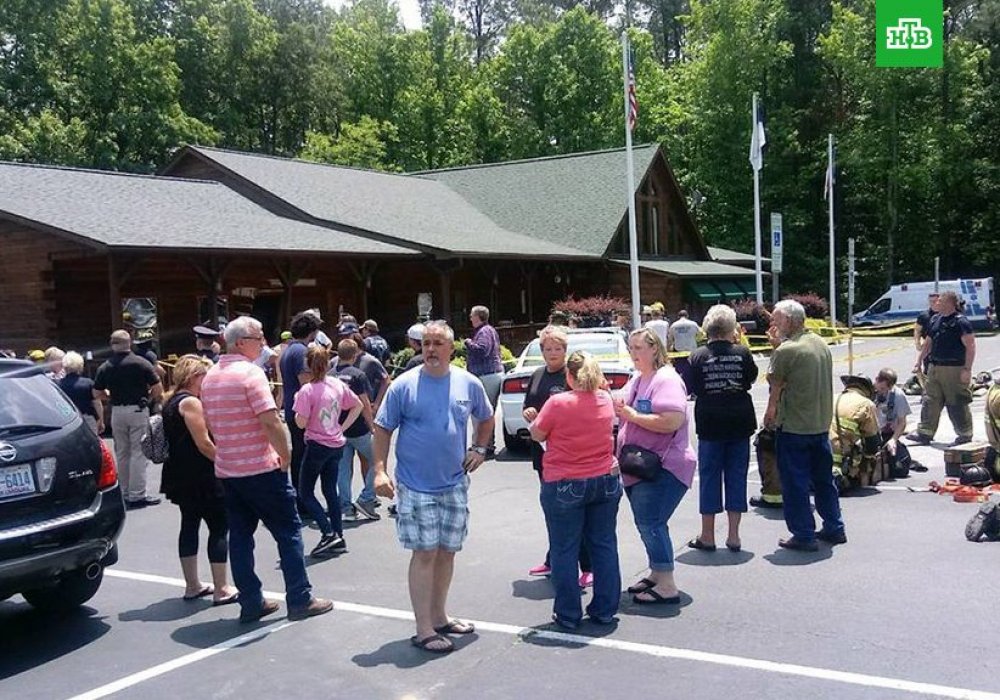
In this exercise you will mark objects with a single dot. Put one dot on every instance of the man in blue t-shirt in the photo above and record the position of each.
(293, 374)
(431, 408)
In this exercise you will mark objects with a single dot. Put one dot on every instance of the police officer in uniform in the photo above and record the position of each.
(854, 434)
(950, 349)
(205, 336)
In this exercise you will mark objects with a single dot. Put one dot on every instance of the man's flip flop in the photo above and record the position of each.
(456, 627)
(206, 590)
(227, 600)
(643, 585)
(427, 641)
(657, 599)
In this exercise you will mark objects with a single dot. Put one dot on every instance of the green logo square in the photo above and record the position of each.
(908, 33)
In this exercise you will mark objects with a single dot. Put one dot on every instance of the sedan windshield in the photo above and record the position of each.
(609, 348)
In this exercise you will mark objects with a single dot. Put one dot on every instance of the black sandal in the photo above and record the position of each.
(427, 641)
(657, 599)
(696, 543)
(643, 585)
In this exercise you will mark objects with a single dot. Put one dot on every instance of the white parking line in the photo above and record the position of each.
(846, 677)
(173, 664)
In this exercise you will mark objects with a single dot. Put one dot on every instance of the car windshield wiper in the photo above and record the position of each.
(26, 428)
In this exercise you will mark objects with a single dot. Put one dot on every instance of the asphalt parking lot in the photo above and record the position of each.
(907, 608)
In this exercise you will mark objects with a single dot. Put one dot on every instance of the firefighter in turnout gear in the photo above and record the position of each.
(854, 435)
(993, 430)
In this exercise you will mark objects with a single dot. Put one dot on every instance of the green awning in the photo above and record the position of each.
(730, 289)
(702, 291)
(748, 286)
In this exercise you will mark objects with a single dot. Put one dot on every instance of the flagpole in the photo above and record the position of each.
(633, 244)
(757, 267)
(833, 275)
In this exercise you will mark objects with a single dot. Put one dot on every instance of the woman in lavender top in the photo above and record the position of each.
(654, 416)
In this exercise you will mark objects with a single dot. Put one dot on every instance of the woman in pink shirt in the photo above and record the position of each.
(655, 418)
(581, 490)
(317, 409)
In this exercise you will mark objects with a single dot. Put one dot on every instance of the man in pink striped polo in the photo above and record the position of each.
(251, 461)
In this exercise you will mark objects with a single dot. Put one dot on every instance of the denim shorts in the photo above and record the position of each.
(427, 521)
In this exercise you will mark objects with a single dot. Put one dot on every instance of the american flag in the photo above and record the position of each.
(633, 103)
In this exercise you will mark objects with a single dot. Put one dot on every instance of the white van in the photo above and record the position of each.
(904, 302)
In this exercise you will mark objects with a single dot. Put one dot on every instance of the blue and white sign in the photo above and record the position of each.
(777, 243)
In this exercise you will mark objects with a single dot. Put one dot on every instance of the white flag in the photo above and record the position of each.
(831, 175)
(758, 139)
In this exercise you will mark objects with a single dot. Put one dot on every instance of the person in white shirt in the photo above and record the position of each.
(683, 337)
(657, 323)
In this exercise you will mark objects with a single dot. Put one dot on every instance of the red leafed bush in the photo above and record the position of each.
(749, 311)
(815, 305)
(592, 311)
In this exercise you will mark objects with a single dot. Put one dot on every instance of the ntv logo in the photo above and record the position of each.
(908, 34)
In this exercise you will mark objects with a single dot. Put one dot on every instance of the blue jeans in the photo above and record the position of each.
(363, 446)
(723, 462)
(321, 462)
(805, 459)
(267, 498)
(583, 510)
(653, 502)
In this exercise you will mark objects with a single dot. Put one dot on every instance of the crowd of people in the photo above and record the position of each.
(242, 454)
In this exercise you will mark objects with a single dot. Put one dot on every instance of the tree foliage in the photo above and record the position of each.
(120, 83)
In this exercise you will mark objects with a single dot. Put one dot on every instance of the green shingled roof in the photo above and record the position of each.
(418, 211)
(140, 211)
(573, 200)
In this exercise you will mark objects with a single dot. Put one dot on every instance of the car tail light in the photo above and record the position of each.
(617, 381)
(108, 475)
(516, 385)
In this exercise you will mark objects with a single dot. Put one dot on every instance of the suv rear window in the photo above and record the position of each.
(609, 348)
(33, 400)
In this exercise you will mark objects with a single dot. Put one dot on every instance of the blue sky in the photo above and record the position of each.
(409, 10)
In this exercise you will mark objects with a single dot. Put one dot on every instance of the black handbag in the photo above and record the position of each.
(639, 462)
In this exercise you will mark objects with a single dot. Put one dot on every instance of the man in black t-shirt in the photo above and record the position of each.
(924, 319)
(950, 350)
(129, 382)
(359, 437)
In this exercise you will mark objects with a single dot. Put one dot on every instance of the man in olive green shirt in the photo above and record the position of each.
(800, 407)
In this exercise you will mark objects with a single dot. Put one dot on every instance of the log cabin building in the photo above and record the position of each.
(269, 236)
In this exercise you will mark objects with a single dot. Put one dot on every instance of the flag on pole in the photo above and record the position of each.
(633, 102)
(758, 139)
(831, 173)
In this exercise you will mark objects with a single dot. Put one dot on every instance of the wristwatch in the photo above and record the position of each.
(478, 449)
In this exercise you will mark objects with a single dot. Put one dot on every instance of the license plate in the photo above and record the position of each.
(16, 481)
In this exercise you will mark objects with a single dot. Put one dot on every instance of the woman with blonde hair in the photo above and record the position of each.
(581, 489)
(189, 481)
(657, 460)
(80, 391)
(547, 381)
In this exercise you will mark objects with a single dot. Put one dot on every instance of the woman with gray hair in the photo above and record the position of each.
(721, 375)
(80, 391)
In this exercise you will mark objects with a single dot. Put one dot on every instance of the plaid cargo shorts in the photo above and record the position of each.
(428, 521)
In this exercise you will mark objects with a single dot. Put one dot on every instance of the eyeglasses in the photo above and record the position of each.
(253, 337)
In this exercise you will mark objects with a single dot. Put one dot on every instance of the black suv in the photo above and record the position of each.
(61, 509)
